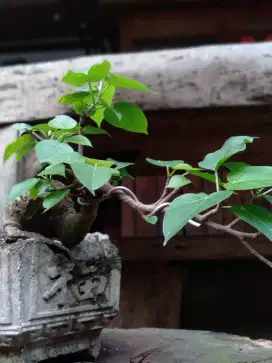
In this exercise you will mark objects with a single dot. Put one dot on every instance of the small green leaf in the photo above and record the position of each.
(120, 164)
(178, 181)
(62, 122)
(249, 177)
(75, 78)
(22, 127)
(43, 128)
(126, 116)
(17, 145)
(54, 169)
(97, 162)
(40, 188)
(80, 107)
(128, 83)
(54, 152)
(99, 71)
(22, 188)
(92, 177)
(91, 130)
(25, 149)
(255, 215)
(151, 219)
(106, 98)
(184, 166)
(186, 207)
(72, 98)
(170, 164)
(80, 140)
(232, 146)
(268, 198)
(54, 198)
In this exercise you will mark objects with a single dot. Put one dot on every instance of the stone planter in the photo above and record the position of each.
(51, 306)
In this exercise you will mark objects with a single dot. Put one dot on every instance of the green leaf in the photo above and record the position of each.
(186, 207)
(120, 164)
(16, 145)
(40, 188)
(234, 165)
(184, 166)
(249, 177)
(54, 198)
(92, 177)
(72, 98)
(207, 176)
(126, 116)
(170, 164)
(22, 127)
(80, 107)
(128, 83)
(54, 169)
(255, 215)
(75, 78)
(22, 188)
(151, 219)
(97, 162)
(232, 146)
(62, 122)
(99, 71)
(106, 98)
(268, 198)
(91, 130)
(54, 152)
(177, 181)
(80, 140)
(25, 149)
(43, 128)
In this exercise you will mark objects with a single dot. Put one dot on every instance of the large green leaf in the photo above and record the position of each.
(91, 130)
(54, 169)
(128, 83)
(22, 127)
(21, 188)
(126, 116)
(75, 78)
(234, 165)
(79, 140)
(204, 175)
(54, 152)
(44, 128)
(170, 164)
(16, 145)
(232, 146)
(255, 215)
(178, 181)
(249, 177)
(99, 71)
(92, 177)
(62, 122)
(186, 207)
(72, 98)
(54, 198)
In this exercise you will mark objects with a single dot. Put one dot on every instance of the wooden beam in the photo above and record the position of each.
(190, 248)
(223, 75)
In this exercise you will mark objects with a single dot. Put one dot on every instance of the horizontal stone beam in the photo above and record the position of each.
(223, 75)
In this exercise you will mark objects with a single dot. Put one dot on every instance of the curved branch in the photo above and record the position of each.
(255, 253)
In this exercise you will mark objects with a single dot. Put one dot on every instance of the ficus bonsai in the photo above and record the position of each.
(62, 200)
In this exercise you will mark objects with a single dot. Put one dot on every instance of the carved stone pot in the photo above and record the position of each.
(51, 306)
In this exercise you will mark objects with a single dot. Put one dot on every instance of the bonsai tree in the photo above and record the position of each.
(62, 199)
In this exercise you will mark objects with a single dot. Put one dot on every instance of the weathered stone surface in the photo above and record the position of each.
(8, 170)
(50, 305)
(205, 76)
(181, 346)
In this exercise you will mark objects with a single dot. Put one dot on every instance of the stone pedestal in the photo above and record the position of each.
(51, 306)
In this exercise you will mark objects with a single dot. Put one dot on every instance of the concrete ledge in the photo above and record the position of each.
(223, 75)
